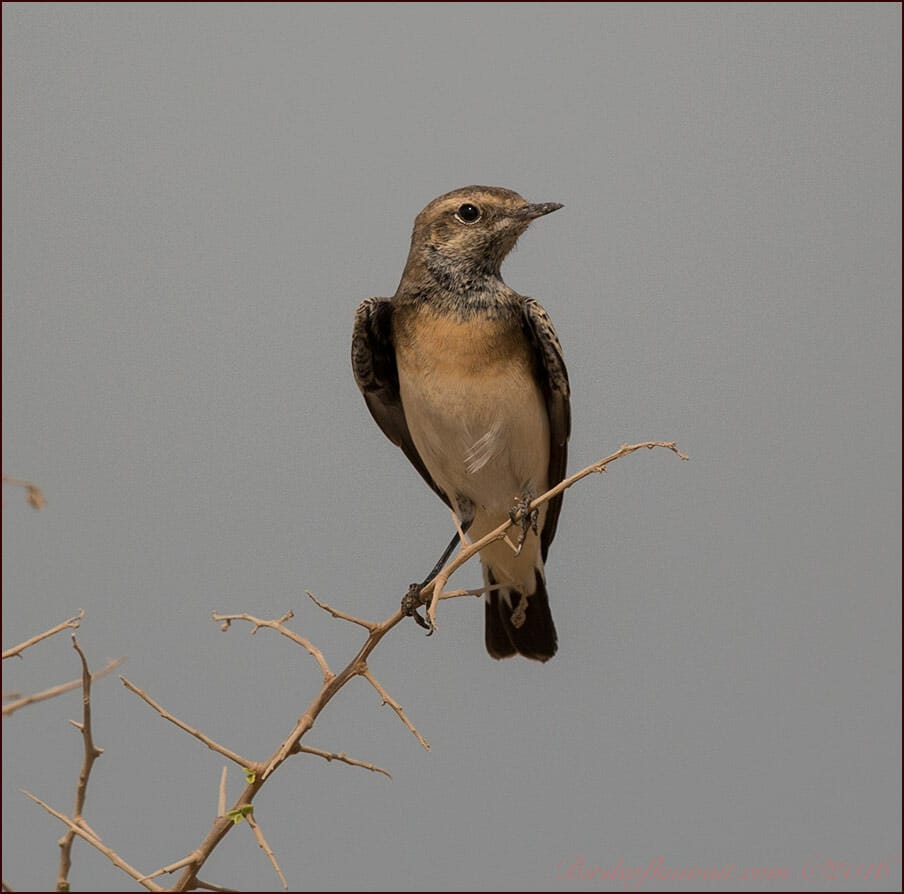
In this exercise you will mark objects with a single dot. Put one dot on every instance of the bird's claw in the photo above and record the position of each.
(411, 602)
(526, 518)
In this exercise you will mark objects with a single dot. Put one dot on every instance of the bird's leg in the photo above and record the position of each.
(522, 515)
(411, 601)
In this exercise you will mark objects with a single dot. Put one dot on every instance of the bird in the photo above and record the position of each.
(468, 378)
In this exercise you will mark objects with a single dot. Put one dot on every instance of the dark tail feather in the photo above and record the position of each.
(511, 630)
(497, 639)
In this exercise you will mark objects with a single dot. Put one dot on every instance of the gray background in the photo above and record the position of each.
(195, 199)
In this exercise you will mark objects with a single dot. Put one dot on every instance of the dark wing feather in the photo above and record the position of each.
(549, 367)
(374, 365)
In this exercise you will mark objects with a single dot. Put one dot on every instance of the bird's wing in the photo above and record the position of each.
(549, 367)
(374, 365)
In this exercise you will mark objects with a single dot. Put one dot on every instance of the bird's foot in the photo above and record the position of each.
(522, 515)
(411, 602)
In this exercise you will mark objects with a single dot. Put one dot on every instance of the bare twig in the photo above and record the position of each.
(71, 624)
(508, 542)
(23, 702)
(92, 753)
(341, 756)
(262, 842)
(95, 842)
(213, 746)
(209, 886)
(279, 625)
(476, 591)
(33, 494)
(221, 799)
(179, 864)
(367, 625)
(389, 700)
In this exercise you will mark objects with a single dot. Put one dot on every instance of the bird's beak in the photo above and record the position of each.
(531, 212)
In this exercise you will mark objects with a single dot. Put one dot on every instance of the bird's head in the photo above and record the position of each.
(466, 234)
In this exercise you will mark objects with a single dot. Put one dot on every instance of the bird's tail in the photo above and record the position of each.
(519, 622)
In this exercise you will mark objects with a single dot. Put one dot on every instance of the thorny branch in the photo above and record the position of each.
(92, 753)
(431, 593)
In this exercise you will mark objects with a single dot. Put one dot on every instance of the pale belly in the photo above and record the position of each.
(478, 420)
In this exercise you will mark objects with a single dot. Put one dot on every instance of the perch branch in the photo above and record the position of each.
(357, 666)
(434, 589)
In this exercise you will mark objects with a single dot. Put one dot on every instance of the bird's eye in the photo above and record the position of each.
(468, 213)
